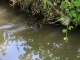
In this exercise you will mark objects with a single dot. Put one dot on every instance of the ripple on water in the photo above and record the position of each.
(7, 26)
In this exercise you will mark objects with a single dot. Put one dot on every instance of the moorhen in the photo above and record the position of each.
(35, 26)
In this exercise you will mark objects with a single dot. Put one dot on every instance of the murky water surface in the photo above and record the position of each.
(18, 42)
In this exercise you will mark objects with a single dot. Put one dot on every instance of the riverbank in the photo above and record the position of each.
(49, 12)
(35, 10)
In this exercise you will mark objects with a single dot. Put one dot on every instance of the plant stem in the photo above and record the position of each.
(67, 32)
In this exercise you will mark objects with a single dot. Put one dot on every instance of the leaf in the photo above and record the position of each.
(64, 5)
(77, 3)
(70, 27)
(64, 30)
(49, 2)
(55, 3)
(44, 4)
(72, 13)
(72, 6)
(61, 19)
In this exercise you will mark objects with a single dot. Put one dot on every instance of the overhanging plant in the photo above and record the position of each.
(72, 10)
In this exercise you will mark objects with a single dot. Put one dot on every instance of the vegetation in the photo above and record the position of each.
(67, 12)
(71, 9)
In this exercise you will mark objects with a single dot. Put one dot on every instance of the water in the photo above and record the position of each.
(18, 42)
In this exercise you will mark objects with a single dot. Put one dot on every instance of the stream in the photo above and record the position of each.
(19, 42)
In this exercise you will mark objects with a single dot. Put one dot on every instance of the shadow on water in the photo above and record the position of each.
(46, 43)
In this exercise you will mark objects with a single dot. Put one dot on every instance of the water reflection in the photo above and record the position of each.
(37, 48)
(17, 43)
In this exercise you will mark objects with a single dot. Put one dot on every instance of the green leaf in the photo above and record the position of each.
(61, 19)
(64, 30)
(72, 13)
(70, 27)
(71, 6)
(77, 3)
(49, 2)
(64, 5)
(44, 4)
